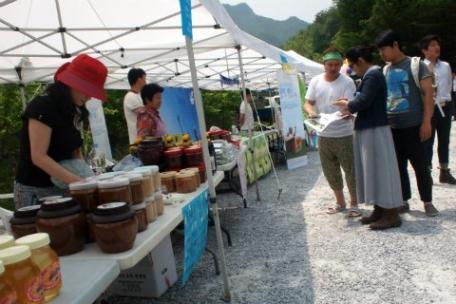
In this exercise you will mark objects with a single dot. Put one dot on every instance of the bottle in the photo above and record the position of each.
(7, 292)
(23, 274)
(46, 260)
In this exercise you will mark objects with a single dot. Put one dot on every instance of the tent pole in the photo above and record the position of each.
(251, 150)
(207, 162)
(24, 100)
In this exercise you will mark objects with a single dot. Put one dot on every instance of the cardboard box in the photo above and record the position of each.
(151, 277)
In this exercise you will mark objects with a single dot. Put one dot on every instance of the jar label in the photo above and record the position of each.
(10, 298)
(34, 290)
(51, 276)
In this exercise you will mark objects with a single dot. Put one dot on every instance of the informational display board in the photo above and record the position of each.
(292, 119)
(98, 127)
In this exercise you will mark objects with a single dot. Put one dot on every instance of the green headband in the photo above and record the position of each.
(332, 56)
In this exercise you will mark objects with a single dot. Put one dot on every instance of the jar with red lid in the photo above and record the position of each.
(23, 221)
(150, 150)
(85, 192)
(193, 155)
(220, 134)
(173, 158)
(114, 226)
(65, 223)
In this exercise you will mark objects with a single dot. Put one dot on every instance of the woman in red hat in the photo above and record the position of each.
(52, 125)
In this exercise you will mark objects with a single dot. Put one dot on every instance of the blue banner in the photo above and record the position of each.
(195, 216)
(228, 80)
(186, 16)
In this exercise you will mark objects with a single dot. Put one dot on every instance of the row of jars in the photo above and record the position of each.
(29, 270)
(183, 181)
(178, 158)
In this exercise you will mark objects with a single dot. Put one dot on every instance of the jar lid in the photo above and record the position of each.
(153, 169)
(173, 152)
(168, 174)
(62, 207)
(25, 215)
(34, 241)
(134, 177)
(49, 198)
(2, 268)
(113, 183)
(158, 195)
(83, 185)
(185, 174)
(6, 241)
(143, 170)
(195, 149)
(14, 254)
(109, 175)
(191, 169)
(112, 212)
(139, 206)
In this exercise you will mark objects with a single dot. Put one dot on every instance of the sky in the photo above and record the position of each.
(303, 9)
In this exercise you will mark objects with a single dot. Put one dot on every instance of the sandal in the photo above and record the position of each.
(354, 212)
(336, 209)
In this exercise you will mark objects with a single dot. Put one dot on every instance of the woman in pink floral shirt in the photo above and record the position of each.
(149, 122)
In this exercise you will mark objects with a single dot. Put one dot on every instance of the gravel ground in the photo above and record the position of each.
(290, 251)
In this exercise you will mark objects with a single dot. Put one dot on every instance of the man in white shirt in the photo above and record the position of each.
(335, 139)
(132, 101)
(441, 124)
(246, 120)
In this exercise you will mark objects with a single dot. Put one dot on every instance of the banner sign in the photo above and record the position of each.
(98, 127)
(292, 120)
(195, 216)
(229, 81)
(186, 16)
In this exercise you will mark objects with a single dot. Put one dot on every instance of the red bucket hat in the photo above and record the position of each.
(85, 74)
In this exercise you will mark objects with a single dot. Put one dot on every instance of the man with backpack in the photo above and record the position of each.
(443, 110)
(410, 107)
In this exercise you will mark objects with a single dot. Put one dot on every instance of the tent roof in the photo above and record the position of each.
(38, 36)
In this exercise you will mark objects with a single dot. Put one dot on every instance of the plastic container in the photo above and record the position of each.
(185, 182)
(47, 261)
(193, 156)
(8, 294)
(168, 179)
(136, 188)
(196, 173)
(114, 226)
(23, 274)
(85, 192)
(174, 158)
(147, 182)
(202, 172)
(141, 216)
(220, 134)
(159, 204)
(6, 241)
(150, 150)
(151, 210)
(23, 221)
(114, 190)
(49, 198)
(155, 177)
(65, 224)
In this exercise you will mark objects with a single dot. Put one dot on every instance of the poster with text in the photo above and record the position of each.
(292, 120)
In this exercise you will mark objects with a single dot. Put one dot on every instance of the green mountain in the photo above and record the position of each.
(272, 31)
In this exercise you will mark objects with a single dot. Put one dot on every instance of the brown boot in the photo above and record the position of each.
(446, 177)
(390, 219)
(374, 216)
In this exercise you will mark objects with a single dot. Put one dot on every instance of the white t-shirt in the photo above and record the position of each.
(132, 101)
(246, 109)
(324, 93)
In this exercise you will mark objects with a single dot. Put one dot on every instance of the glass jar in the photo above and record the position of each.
(155, 177)
(151, 209)
(85, 192)
(196, 173)
(150, 150)
(141, 216)
(147, 181)
(65, 224)
(6, 241)
(168, 180)
(202, 171)
(23, 274)
(159, 204)
(114, 226)
(173, 157)
(23, 221)
(114, 190)
(136, 187)
(185, 182)
(8, 294)
(47, 261)
(193, 156)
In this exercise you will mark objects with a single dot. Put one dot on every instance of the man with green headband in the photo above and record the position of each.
(335, 139)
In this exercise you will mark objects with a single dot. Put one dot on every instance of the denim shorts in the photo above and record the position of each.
(29, 195)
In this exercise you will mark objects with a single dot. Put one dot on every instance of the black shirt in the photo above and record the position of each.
(65, 138)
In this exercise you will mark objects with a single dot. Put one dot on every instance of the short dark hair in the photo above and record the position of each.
(426, 41)
(149, 90)
(357, 52)
(134, 74)
(247, 92)
(387, 38)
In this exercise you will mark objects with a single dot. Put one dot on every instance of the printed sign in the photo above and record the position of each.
(186, 16)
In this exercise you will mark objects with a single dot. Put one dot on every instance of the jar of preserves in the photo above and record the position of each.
(114, 190)
(159, 204)
(147, 181)
(114, 226)
(46, 260)
(23, 221)
(202, 171)
(23, 274)
(150, 150)
(174, 157)
(65, 224)
(8, 294)
(185, 182)
(85, 192)
(151, 209)
(155, 177)
(168, 180)
(196, 173)
(136, 187)
(6, 241)
(141, 216)
(193, 156)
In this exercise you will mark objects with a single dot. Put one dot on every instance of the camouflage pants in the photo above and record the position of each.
(334, 154)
